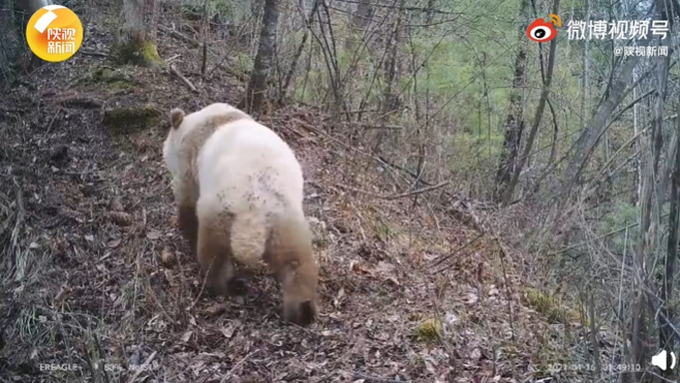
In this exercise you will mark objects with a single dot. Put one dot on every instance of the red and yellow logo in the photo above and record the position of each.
(54, 33)
(542, 31)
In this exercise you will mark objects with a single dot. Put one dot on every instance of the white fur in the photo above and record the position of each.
(176, 136)
(246, 169)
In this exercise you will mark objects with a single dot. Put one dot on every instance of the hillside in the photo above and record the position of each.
(95, 271)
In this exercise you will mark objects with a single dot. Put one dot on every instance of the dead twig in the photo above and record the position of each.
(195, 43)
(181, 77)
(440, 260)
(237, 365)
(82, 101)
(49, 127)
(374, 126)
(20, 214)
(175, 57)
(374, 379)
(205, 281)
(92, 53)
(205, 57)
(502, 254)
(396, 196)
(418, 191)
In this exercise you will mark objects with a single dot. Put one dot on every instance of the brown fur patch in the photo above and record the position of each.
(215, 256)
(289, 255)
(188, 224)
(176, 117)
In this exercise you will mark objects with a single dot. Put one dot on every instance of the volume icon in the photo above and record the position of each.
(659, 360)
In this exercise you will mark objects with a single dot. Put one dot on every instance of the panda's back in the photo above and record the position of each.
(245, 166)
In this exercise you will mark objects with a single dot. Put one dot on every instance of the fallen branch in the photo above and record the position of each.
(396, 196)
(444, 258)
(307, 126)
(384, 161)
(92, 53)
(237, 365)
(418, 191)
(374, 126)
(82, 101)
(181, 77)
(374, 379)
(49, 127)
(180, 36)
(172, 58)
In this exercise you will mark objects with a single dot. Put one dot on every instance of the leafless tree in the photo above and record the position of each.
(514, 121)
(255, 92)
(545, 91)
(14, 16)
(390, 99)
(667, 335)
(135, 40)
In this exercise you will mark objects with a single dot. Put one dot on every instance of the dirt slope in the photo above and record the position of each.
(95, 273)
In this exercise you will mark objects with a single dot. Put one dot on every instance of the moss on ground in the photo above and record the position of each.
(131, 119)
(135, 51)
(114, 78)
(427, 330)
(550, 306)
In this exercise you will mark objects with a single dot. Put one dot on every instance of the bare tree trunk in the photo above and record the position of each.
(14, 16)
(361, 19)
(507, 194)
(648, 240)
(665, 281)
(391, 99)
(514, 121)
(135, 41)
(642, 250)
(585, 94)
(638, 149)
(667, 336)
(430, 12)
(296, 58)
(252, 102)
(363, 15)
(9, 45)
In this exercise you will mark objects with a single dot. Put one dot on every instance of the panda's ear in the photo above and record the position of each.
(176, 117)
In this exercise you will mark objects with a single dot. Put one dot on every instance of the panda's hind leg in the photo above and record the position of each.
(215, 256)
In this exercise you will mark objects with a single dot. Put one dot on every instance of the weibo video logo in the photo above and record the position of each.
(542, 31)
(54, 33)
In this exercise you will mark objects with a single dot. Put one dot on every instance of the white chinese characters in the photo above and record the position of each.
(616, 30)
(641, 51)
(61, 40)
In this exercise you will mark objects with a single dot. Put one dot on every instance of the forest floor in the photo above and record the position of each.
(98, 285)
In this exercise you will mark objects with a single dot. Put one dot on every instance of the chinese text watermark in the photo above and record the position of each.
(61, 40)
(616, 30)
